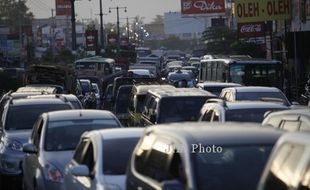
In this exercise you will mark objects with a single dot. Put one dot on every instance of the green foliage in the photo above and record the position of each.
(12, 13)
(244, 48)
(218, 39)
(222, 40)
(171, 43)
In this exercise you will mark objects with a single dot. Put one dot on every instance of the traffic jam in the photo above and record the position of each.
(184, 95)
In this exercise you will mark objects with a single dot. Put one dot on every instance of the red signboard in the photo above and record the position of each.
(203, 7)
(112, 39)
(251, 29)
(91, 40)
(63, 7)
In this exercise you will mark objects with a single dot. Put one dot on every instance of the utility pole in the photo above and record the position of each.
(118, 30)
(127, 19)
(73, 25)
(101, 26)
(52, 33)
(20, 31)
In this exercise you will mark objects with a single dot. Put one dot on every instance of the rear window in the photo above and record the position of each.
(122, 100)
(261, 95)
(65, 135)
(248, 115)
(23, 117)
(122, 154)
(180, 109)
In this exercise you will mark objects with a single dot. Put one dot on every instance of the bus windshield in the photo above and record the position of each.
(85, 65)
(256, 74)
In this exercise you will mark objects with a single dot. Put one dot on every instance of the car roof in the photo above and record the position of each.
(36, 101)
(304, 112)
(42, 89)
(80, 114)
(142, 89)
(254, 105)
(211, 83)
(296, 137)
(254, 89)
(180, 92)
(218, 133)
(116, 133)
(69, 96)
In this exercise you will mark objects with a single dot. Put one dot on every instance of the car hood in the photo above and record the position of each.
(59, 158)
(118, 180)
(20, 135)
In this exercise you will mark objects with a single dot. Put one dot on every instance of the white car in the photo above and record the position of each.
(254, 93)
(101, 158)
(53, 140)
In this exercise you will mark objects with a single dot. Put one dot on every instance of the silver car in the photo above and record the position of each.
(109, 151)
(53, 141)
(18, 118)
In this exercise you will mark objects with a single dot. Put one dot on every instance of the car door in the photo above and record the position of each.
(151, 167)
(31, 161)
(88, 159)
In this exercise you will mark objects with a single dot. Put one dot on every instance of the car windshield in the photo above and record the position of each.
(85, 86)
(95, 87)
(214, 89)
(122, 100)
(237, 167)
(180, 109)
(248, 115)
(23, 117)
(65, 135)
(178, 77)
(261, 96)
(121, 154)
(140, 103)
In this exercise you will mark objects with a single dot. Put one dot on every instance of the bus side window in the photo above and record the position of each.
(99, 66)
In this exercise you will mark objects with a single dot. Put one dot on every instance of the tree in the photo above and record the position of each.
(13, 13)
(219, 39)
(159, 19)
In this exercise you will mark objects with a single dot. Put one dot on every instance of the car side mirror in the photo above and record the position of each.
(29, 148)
(80, 170)
(172, 185)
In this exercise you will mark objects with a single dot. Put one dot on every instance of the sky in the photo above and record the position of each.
(86, 9)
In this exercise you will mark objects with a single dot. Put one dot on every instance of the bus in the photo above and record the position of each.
(245, 71)
(94, 66)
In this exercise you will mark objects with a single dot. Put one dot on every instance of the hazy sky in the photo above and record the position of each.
(90, 8)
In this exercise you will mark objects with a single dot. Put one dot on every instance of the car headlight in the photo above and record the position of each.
(14, 145)
(51, 173)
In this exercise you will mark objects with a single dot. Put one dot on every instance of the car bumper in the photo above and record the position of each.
(10, 163)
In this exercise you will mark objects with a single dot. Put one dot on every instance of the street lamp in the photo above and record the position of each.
(118, 30)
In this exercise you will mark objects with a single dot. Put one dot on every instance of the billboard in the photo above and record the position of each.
(263, 10)
(63, 8)
(91, 40)
(253, 29)
(202, 7)
(59, 35)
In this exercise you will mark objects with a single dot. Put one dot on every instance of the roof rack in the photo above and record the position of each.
(61, 97)
(217, 100)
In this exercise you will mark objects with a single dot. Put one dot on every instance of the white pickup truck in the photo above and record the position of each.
(150, 63)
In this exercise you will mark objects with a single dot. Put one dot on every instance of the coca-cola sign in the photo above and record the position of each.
(203, 7)
(91, 40)
(253, 29)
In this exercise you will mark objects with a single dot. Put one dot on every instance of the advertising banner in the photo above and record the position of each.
(203, 7)
(252, 29)
(112, 39)
(59, 36)
(63, 8)
(263, 10)
(91, 40)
